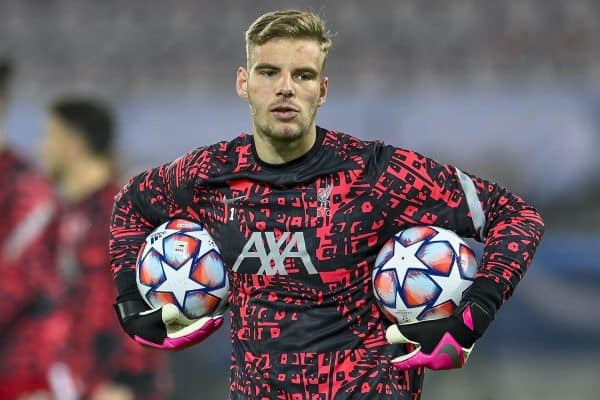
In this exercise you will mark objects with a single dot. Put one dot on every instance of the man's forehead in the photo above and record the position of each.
(284, 51)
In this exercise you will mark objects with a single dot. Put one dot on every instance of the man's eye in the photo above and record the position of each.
(305, 76)
(268, 73)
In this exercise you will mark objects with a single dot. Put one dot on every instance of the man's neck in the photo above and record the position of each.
(84, 178)
(281, 151)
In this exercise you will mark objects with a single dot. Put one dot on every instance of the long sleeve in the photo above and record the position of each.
(414, 189)
(28, 253)
(144, 203)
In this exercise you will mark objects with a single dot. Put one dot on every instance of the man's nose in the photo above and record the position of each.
(286, 86)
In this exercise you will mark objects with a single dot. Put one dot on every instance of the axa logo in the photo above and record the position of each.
(272, 252)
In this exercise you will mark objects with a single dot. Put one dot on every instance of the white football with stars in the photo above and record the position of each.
(180, 263)
(421, 274)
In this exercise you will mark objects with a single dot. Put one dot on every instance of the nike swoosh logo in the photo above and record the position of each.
(233, 199)
(451, 352)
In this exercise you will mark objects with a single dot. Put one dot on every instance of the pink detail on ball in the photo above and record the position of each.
(416, 234)
(439, 256)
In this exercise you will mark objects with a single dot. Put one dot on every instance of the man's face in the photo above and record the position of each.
(59, 147)
(284, 87)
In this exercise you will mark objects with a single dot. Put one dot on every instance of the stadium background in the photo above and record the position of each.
(508, 90)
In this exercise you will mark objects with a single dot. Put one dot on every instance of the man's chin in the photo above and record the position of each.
(287, 131)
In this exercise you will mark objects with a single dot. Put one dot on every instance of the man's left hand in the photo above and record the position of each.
(440, 344)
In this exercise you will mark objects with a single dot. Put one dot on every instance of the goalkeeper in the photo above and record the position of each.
(300, 212)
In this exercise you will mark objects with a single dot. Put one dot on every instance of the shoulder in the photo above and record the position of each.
(346, 145)
(15, 164)
(346, 142)
(30, 192)
(211, 160)
(374, 155)
(25, 177)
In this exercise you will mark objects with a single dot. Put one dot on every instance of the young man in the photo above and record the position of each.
(78, 155)
(299, 213)
(31, 329)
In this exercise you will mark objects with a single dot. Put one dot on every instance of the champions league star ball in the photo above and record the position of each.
(421, 274)
(180, 263)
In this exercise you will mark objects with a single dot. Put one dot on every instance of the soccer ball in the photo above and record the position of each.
(180, 263)
(421, 274)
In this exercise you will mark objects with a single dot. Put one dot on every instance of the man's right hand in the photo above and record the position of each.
(165, 327)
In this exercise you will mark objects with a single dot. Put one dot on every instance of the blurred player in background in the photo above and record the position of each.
(31, 328)
(78, 155)
(300, 213)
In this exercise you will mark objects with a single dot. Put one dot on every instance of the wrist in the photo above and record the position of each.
(486, 293)
(126, 309)
(474, 319)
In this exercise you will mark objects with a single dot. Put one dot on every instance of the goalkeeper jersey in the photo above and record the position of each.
(300, 240)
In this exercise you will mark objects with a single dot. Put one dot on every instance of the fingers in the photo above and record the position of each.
(406, 361)
(171, 330)
(171, 315)
(187, 336)
(394, 336)
(148, 343)
(416, 359)
(148, 312)
(447, 354)
(205, 324)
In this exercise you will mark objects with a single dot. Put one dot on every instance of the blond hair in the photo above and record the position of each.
(292, 24)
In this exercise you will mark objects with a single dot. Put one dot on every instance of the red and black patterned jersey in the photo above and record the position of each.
(300, 241)
(31, 330)
(99, 351)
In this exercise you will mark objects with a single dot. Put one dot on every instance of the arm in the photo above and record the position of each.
(146, 201)
(28, 252)
(110, 354)
(510, 228)
(139, 207)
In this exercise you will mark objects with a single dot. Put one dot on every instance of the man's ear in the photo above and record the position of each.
(241, 82)
(323, 90)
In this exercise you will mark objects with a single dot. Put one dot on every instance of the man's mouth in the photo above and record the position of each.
(284, 112)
